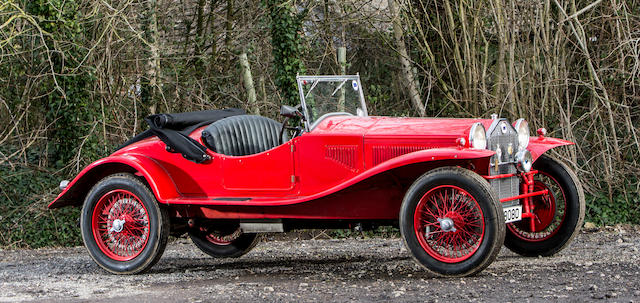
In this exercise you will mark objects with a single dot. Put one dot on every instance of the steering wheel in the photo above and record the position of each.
(297, 129)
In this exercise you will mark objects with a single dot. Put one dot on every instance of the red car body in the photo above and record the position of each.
(446, 183)
(336, 171)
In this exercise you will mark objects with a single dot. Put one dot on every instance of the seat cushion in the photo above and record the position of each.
(242, 135)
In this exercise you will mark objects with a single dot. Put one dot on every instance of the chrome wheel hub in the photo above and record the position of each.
(446, 225)
(117, 225)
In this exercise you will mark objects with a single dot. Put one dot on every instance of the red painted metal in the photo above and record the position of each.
(346, 167)
(527, 195)
(546, 215)
(499, 176)
(346, 155)
(532, 172)
(449, 245)
(383, 153)
(160, 182)
(539, 145)
(128, 242)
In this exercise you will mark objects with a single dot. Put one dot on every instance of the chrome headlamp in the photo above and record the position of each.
(524, 160)
(522, 127)
(478, 136)
(63, 184)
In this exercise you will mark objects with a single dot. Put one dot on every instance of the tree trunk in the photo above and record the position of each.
(152, 65)
(407, 71)
(228, 30)
(248, 84)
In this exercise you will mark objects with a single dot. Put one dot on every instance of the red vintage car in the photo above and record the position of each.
(456, 188)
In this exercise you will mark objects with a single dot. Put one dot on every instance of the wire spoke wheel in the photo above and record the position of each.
(219, 237)
(549, 211)
(557, 215)
(449, 223)
(123, 227)
(120, 224)
(223, 241)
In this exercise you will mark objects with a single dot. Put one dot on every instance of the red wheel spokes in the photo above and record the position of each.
(457, 239)
(220, 237)
(120, 224)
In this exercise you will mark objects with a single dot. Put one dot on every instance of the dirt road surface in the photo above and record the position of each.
(602, 265)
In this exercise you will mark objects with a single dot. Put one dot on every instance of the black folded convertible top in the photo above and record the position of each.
(174, 130)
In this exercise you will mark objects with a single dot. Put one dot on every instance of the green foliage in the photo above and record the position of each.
(100, 55)
(25, 221)
(623, 208)
(69, 105)
(287, 47)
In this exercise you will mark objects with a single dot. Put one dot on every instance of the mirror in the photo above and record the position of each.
(290, 111)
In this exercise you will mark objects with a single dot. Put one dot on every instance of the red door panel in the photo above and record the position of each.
(267, 171)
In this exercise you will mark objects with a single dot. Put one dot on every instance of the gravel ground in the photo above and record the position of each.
(600, 265)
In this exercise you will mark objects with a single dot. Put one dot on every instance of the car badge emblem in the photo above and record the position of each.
(503, 127)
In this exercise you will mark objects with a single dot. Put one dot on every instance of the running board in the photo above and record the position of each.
(262, 226)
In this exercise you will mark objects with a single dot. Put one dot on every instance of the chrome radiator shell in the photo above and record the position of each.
(501, 135)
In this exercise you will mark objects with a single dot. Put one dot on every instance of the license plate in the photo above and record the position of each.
(512, 213)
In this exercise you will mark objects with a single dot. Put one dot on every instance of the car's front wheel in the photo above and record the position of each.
(451, 222)
(122, 225)
(558, 215)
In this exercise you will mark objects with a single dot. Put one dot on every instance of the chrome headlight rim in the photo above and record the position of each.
(524, 133)
(477, 136)
(524, 160)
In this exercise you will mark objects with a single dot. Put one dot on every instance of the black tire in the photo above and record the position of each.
(151, 225)
(486, 210)
(568, 214)
(233, 248)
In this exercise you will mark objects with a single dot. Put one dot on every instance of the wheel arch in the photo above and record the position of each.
(147, 169)
(410, 167)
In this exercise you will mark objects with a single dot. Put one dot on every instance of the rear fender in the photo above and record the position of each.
(156, 176)
(539, 145)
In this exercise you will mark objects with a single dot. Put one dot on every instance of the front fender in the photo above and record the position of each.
(156, 176)
(539, 145)
(434, 154)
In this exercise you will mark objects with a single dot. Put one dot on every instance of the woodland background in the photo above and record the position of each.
(78, 76)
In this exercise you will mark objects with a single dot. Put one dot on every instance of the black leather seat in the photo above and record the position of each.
(242, 135)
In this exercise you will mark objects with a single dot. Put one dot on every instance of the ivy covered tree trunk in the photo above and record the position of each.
(69, 105)
(286, 41)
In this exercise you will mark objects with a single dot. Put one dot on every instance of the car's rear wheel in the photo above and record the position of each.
(223, 242)
(451, 222)
(558, 215)
(123, 227)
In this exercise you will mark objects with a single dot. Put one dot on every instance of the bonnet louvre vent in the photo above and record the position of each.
(343, 154)
(382, 153)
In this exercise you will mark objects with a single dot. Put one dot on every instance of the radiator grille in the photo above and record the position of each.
(506, 187)
(502, 135)
(496, 138)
